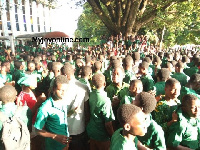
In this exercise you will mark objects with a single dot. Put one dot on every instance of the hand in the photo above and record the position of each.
(62, 139)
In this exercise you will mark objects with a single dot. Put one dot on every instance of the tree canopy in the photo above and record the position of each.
(179, 18)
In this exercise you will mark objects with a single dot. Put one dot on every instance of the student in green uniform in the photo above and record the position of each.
(168, 103)
(97, 67)
(154, 138)
(133, 123)
(184, 134)
(156, 67)
(162, 76)
(117, 87)
(180, 75)
(99, 128)
(78, 66)
(19, 70)
(135, 88)
(192, 87)
(129, 74)
(147, 80)
(194, 69)
(53, 115)
(5, 69)
(86, 75)
(170, 67)
(31, 70)
(108, 72)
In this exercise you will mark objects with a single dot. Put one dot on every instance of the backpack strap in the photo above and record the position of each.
(3, 117)
(18, 111)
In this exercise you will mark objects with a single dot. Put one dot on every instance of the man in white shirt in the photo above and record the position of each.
(78, 115)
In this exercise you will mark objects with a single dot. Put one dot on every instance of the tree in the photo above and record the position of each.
(128, 16)
(90, 26)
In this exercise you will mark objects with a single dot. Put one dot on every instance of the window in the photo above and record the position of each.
(23, 9)
(25, 29)
(9, 25)
(15, 8)
(16, 17)
(17, 26)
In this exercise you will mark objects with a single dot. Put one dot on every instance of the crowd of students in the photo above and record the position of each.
(123, 96)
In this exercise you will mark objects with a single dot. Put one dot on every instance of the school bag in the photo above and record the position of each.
(15, 133)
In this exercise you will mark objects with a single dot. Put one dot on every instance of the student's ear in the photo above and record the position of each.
(104, 84)
(127, 127)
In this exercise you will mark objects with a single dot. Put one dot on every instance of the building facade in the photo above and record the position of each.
(18, 17)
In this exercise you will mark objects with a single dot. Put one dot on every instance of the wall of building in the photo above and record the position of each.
(23, 17)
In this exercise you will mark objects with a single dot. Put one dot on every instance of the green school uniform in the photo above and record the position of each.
(160, 88)
(184, 132)
(127, 99)
(53, 115)
(9, 110)
(6, 78)
(181, 77)
(186, 90)
(191, 71)
(129, 75)
(154, 138)
(100, 113)
(148, 83)
(163, 113)
(16, 76)
(119, 142)
(108, 76)
(112, 90)
(191, 64)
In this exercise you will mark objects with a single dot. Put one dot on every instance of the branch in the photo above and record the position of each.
(109, 8)
(132, 14)
(101, 14)
(151, 15)
(118, 12)
(143, 8)
(125, 15)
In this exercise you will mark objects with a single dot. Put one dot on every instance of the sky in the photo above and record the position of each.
(65, 17)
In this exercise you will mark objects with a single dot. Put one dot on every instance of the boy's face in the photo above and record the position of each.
(173, 91)
(136, 88)
(60, 90)
(142, 70)
(193, 108)
(117, 75)
(138, 124)
(31, 67)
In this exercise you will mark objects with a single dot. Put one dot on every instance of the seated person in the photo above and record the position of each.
(184, 134)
